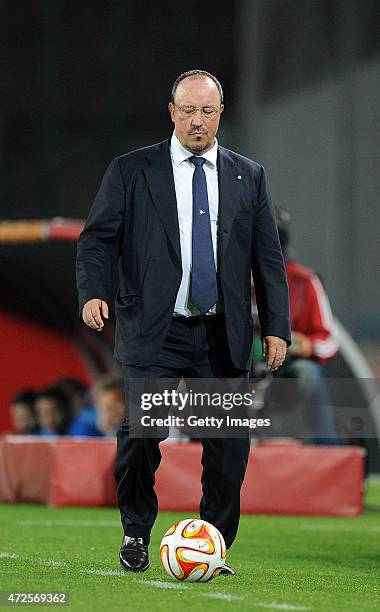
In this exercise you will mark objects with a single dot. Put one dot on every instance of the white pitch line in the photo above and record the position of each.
(172, 585)
(154, 583)
(50, 562)
(58, 564)
(224, 596)
(8, 555)
(161, 584)
(38, 560)
(102, 572)
(68, 523)
(279, 606)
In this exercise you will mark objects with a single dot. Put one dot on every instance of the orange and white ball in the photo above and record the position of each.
(193, 550)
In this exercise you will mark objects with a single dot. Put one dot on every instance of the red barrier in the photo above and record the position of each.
(304, 479)
(35, 356)
(286, 478)
(82, 473)
(26, 466)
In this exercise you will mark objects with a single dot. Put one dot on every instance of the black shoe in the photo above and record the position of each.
(134, 554)
(227, 571)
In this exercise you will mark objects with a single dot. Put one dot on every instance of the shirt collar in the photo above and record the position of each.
(180, 154)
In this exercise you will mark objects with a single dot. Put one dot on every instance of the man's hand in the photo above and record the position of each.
(92, 313)
(274, 349)
(302, 347)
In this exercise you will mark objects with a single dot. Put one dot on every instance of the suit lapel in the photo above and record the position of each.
(229, 190)
(160, 179)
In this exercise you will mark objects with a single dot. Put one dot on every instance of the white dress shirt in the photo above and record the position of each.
(183, 171)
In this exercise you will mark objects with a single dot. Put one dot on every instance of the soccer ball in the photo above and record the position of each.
(193, 550)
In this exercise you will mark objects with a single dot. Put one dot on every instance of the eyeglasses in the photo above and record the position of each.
(208, 112)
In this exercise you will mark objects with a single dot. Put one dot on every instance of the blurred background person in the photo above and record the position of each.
(83, 421)
(313, 339)
(53, 411)
(109, 403)
(23, 413)
(313, 345)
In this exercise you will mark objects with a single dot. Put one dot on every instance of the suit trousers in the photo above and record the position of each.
(196, 347)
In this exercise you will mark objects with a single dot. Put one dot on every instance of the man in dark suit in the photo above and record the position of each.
(187, 221)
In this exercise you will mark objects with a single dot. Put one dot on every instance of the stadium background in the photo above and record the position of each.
(85, 82)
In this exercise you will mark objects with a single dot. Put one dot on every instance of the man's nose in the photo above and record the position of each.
(197, 118)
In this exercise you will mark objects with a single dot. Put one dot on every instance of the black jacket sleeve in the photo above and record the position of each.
(99, 243)
(268, 269)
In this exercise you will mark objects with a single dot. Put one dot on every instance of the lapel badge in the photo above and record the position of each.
(239, 177)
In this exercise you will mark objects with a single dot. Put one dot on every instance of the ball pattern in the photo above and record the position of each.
(192, 550)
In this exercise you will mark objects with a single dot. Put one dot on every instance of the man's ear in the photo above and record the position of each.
(171, 108)
(221, 109)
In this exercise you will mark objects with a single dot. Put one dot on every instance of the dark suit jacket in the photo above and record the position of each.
(134, 222)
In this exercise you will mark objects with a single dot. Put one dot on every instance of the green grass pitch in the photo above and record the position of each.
(282, 563)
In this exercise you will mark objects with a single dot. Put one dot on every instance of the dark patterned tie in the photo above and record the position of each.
(204, 290)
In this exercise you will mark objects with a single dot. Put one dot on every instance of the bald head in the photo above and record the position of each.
(196, 74)
(200, 91)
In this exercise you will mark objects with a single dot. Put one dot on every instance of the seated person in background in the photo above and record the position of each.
(53, 411)
(110, 403)
(313, 341)
(311, 319)
(83, 422)
(23, 414)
